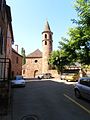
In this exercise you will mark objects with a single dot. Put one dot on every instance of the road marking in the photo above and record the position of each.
(81, 106)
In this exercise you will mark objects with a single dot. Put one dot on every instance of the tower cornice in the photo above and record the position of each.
(47, 32)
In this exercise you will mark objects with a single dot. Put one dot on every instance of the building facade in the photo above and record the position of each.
(16, 64)
(10, 37)
(6, 39)
(33, 64)
(46, 46)
(37, 62)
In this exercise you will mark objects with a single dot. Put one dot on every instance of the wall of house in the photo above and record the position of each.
(32, 67)
(16, 64)
(3, 34)
(9, 43)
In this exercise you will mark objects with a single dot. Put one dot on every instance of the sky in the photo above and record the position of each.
(29, 18)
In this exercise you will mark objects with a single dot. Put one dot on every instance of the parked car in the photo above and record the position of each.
(19, 81)
(62, 77)
(72, 77)
(82, 88)
(39, 76)
(44, 76)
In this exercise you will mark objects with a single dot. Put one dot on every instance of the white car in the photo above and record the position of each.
(63, 76)
(82, 88)
(44, 76)
(19, 81)
(39, 76)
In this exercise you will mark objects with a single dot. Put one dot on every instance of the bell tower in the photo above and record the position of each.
(46, 46)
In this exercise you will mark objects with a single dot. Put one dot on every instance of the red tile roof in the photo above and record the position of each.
(36, 54)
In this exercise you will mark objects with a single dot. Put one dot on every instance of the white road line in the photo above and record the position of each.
(81, 106)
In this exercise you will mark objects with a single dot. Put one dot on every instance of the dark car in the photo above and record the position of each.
(47, 75)
(82, 88)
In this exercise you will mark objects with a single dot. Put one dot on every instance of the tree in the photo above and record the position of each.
(58, 59)
(23, 54)
(77, 46)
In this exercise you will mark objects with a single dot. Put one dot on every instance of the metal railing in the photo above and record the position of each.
(5, 86)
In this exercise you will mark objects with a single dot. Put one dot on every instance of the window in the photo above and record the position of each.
(45, 42)
(1, 42)
(23, 71)
(36, 61)
(84, 81)
(16, 59)
(50, 36)
(50, 43)
(45, 35)
(3, 4)
(88, 83)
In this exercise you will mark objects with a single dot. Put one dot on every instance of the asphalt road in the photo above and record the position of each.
(49, 100)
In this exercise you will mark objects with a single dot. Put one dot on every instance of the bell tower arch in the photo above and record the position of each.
(46, 46)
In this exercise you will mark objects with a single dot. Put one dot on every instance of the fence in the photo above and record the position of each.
(5, 87)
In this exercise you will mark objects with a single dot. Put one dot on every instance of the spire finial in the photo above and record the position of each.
(47, 27)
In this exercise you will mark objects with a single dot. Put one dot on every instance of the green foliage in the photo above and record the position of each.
(83, 10)
(59, 60)
(77, 47)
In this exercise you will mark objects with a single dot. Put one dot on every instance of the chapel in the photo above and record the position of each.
(37, 61)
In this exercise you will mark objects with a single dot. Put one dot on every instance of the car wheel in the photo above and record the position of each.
(38, 77)
(77, 93)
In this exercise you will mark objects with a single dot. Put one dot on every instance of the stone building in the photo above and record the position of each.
(8, 65)
(33, 64)
(37, 62)
(6, 40)
(46, 46)
(16, 64)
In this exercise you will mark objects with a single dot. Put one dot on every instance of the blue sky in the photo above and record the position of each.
(29, 17)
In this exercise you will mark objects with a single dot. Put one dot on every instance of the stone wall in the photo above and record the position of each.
(32, 67)
(16, 64)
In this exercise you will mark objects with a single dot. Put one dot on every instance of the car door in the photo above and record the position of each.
(88, 89)
(85, 87)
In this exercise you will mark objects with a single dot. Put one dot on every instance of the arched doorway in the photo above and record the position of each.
(35, 73)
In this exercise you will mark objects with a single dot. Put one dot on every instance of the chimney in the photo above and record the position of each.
(16, 48)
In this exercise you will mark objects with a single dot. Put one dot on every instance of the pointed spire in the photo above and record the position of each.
(47, 27)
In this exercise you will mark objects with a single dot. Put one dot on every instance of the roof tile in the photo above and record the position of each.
(36, 54)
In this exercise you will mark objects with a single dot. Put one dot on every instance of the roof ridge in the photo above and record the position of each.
(36, 53)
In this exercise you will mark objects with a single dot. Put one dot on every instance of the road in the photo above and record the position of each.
(49, 100)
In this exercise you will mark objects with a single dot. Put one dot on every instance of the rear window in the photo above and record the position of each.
(19, 77)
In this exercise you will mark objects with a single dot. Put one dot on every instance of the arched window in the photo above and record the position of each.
(45, 35)
(45, 42)
(50, 36)
(50, 43)
(23, 71)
